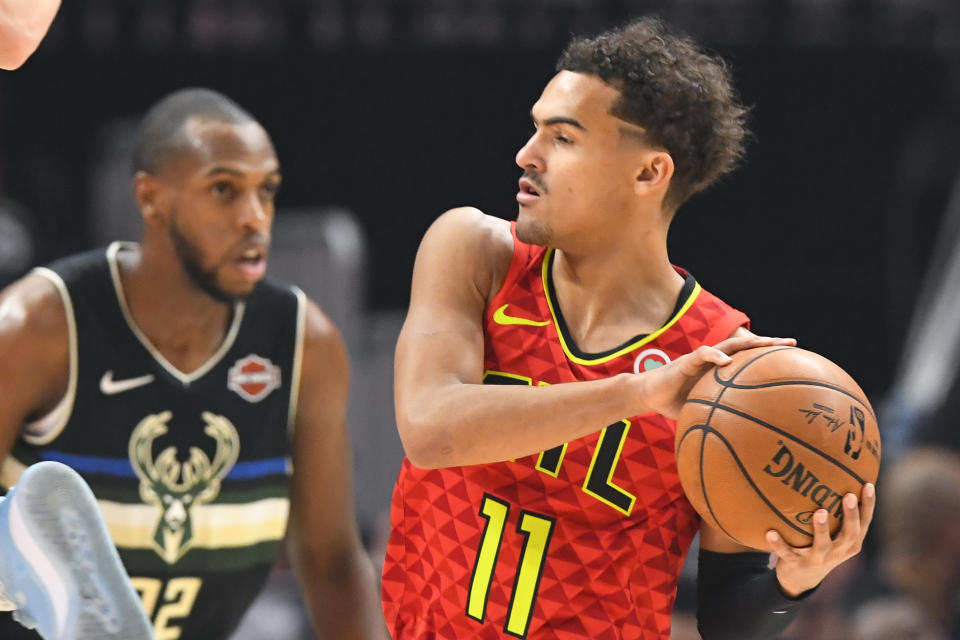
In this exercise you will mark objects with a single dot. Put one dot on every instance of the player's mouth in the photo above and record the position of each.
(252, 263)
(528, 194)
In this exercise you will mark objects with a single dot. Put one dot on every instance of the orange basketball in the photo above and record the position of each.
(765, 441)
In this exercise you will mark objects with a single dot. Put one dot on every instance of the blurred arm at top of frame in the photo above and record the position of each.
(23, 23)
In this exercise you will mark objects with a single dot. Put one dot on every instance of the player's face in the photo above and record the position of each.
(577, 173)
(221, 196)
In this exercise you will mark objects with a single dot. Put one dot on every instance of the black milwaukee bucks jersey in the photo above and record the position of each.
(191, 471)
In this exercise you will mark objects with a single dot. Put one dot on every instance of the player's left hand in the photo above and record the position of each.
(802, 568)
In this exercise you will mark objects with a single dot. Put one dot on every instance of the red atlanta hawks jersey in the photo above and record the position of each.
(585, 540)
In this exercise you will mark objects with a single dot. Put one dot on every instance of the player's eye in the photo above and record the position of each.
(223, 190)
(269, 191)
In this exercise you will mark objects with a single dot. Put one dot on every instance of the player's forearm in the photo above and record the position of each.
(23, 23)
(464, 424)
(738, 597)
(343, 600)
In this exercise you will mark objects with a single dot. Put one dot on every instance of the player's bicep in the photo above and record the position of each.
(442, 334)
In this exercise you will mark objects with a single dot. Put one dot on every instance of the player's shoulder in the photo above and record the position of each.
(34, 325)
(722, 319)
(33, 305)
(279, 303)
(472, 229)
(467, 239)
(317, 324)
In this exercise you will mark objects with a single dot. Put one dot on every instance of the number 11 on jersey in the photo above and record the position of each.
(537, 530)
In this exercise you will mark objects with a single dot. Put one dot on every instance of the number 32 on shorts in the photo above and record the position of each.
(536, 530)
(178, 600)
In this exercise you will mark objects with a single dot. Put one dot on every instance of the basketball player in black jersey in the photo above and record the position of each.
(23, 23)
(203, 404)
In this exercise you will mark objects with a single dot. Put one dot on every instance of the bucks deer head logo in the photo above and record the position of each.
(177, 487)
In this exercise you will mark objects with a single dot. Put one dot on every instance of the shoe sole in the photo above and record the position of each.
(63, 545)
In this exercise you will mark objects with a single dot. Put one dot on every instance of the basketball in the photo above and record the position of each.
(768, 439)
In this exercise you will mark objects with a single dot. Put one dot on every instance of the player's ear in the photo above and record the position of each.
(654, 171)
(146, 189)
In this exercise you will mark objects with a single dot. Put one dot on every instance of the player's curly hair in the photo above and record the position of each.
(682, 97)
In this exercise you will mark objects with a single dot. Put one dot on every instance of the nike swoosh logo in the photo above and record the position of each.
(500, 317)
(109, 386)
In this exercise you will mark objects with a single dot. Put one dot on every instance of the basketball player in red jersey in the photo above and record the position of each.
(540, 497)
(23, 23)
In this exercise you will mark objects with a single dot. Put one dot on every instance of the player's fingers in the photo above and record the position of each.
(696, 363)
(779, 546)
(711, 355)
(732, 345)
(851, 536)
(822, 542)
(868, 501)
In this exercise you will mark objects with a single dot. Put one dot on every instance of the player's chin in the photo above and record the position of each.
(236, 288)
(531, 230)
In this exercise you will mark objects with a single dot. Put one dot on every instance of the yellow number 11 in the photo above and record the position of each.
(536, 530)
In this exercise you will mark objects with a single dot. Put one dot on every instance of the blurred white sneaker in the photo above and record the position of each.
(59, 569)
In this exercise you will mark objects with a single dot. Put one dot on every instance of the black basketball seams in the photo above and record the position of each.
(706, 429)
(703, 485)
(729, 381)
(730, 384)
(726, 384)
(716, 405)
(803, 383)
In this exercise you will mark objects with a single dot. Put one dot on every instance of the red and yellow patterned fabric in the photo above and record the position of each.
(581, 541)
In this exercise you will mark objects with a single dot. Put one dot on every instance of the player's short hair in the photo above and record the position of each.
(160, 135)
(682, 96)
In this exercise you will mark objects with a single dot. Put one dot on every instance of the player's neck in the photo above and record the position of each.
(186, 325)
(610, 296)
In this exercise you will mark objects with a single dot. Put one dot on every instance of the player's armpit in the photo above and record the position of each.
(334, 571)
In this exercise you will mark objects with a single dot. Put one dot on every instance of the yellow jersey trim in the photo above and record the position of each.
(544, 274)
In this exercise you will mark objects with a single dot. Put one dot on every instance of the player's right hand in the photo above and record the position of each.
(665, 389)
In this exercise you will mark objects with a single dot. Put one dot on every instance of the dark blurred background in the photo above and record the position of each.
(398, 110)
(395, 110)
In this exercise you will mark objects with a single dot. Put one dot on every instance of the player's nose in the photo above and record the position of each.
(529, 157)
(256, 214)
